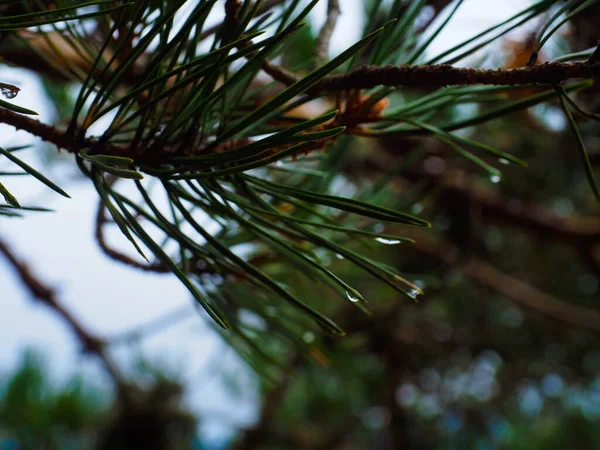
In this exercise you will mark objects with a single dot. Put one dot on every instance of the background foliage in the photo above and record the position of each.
(283, 207)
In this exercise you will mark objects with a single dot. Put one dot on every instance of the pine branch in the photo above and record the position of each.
(368, 77)
(365, 77)
(186, 118)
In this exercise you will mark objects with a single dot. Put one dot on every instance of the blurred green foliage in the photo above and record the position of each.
(36, 413)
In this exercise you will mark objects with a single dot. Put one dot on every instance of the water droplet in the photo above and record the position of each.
(308, 337)
(339, 256)
(413, 293)
(388, 241)
(352, 297)
(9, 91)
(504, 161)
(495, 178)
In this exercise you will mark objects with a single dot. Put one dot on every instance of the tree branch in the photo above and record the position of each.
(257, 436)
(152, 327)
(524, 293)
(47, 296)
(511, 287)
(581, 233)
(101, 221)
(264, 8)
(367, 77)
(45, 132)
(322, 45)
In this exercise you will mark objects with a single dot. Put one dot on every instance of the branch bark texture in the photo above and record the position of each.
(439, 75)
(365, 77)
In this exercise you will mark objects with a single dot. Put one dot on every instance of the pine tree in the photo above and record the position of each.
(238, 155)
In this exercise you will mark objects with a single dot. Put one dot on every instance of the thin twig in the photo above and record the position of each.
(230, 23)
(54, 135)
(278, 73)
(101, 222)
(582, 233)
(255, 437)
(524, 293)
(265, 7)
(322, 44)
(511, 287)
(154, 326)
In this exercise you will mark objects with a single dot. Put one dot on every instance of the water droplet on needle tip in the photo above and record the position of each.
(9, 91)
(353, 297)
(388, 241)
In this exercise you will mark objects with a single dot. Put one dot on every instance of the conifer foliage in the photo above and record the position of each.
(218, 161)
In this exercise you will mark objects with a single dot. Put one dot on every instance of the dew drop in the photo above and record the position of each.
(339, 256)
(353, 298)
(388, 241)
(9, 91)
(159, 130)
(413, 293)
(495, 178)
(308, 337)
(504, 161)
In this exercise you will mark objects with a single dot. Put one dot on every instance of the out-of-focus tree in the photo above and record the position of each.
(282, 187)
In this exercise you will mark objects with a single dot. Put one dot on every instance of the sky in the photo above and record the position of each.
(472, 17)
(110, 298)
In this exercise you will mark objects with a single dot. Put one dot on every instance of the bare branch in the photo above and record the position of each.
(322, 46)
(513, 288)
(530, 296)
(257, 436)
(155, 326)
(46, 295)
(265, 7)
(101, 221)
(367, 77)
